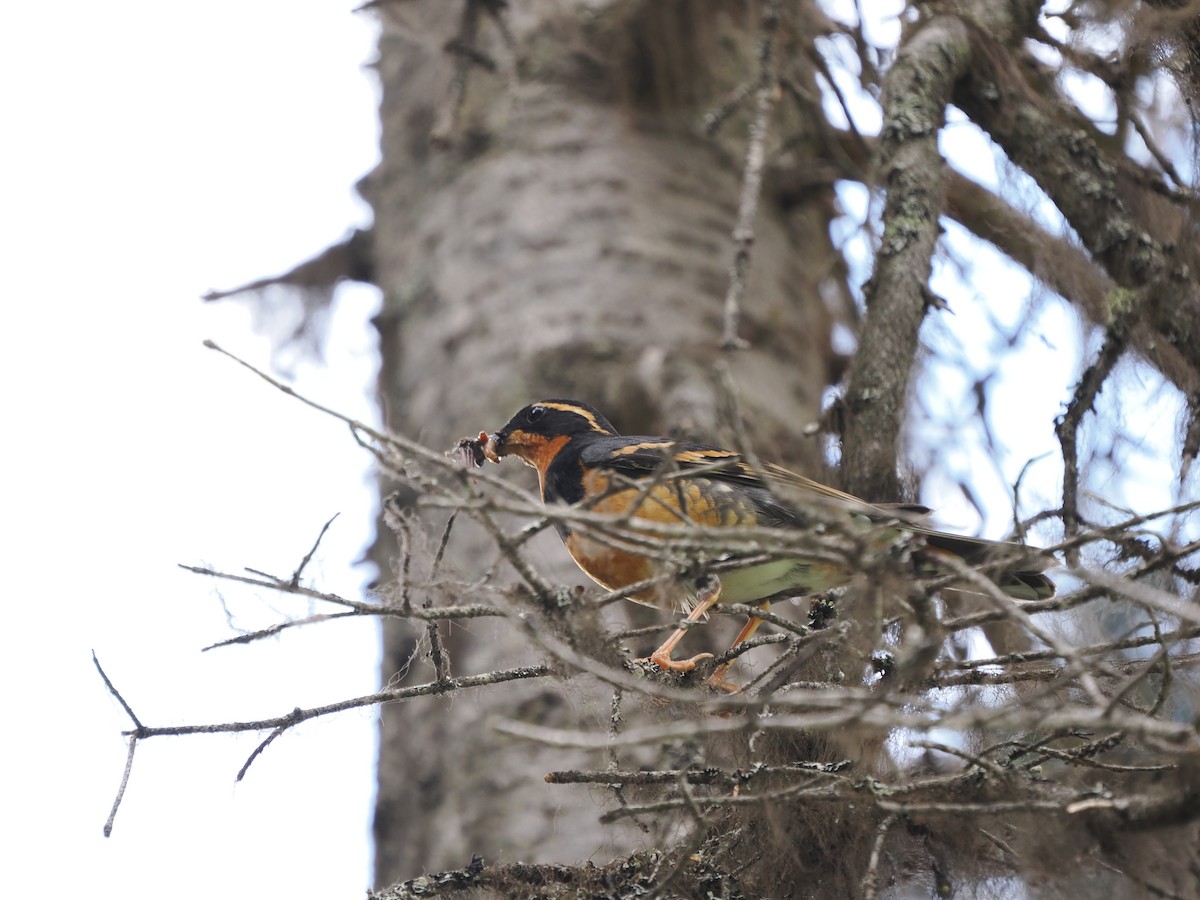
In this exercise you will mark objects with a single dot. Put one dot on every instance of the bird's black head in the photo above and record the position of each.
(540, 428)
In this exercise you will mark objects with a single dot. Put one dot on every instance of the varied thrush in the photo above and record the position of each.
(581, 459)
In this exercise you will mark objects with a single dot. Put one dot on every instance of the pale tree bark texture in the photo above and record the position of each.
(571, 240)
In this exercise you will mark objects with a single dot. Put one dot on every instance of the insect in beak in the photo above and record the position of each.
(473, 451)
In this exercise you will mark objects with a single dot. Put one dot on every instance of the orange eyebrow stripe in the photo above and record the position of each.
(579, 411)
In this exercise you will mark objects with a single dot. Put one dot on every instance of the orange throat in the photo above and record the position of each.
(535, 450)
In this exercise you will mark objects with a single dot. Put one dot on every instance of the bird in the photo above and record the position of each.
(582, 460)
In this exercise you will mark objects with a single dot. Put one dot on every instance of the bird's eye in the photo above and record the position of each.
(535, 413)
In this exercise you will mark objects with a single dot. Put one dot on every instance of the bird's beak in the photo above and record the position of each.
(494, 448)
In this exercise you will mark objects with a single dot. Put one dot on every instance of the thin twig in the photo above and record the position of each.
(715, 118)
(685, 850)
(295, 579)
(437, 653)
(1164, 687)
(266, 742)
(441, 550)
(614, 728)
(1013, 611)
(971, 758)
(1142, 593)
(262, 633)
(391, 695)
(381, 444)
(1151, 889)
(825, 792)
(112, 815)
(1160, 157)
(1160, 657)
(445, 612)
(752, 171)
(1010, 659)
(818, 59)
(112, 690)
(1069, 424)
(870, 879)
(728, 777)
(397, 520)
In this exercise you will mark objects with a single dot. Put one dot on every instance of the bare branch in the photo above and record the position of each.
(1068, 426)
(112, 815)
(295, 579)
(261, 633)
(697, 776)
(870, 879)
(117, 694)
(916, 90)
(1142, 593)
(357, 606)
(1090, 188)
(392, 695)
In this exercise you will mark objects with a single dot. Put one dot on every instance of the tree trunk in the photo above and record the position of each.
(567, 234)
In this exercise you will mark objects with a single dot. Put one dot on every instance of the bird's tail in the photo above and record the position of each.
(1016, 569)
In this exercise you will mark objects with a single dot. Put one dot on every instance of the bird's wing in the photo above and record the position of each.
(637, 457)
(781, 494)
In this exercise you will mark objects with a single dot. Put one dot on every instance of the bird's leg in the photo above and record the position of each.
(717, 678)
(709, 594)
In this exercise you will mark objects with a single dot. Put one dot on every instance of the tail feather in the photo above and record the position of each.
(1017, 568)
(1027, 585)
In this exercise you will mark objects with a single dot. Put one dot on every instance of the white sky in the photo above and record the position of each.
(150, 152)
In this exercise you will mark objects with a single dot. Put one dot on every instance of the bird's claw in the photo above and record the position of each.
(665, 662)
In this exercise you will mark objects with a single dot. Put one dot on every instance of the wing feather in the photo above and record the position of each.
(780, 494)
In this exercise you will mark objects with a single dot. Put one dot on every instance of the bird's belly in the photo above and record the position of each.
(708, 503)
(614, 569)
(758, 581)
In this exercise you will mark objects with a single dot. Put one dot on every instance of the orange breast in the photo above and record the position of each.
(699, 500)
(613, 568)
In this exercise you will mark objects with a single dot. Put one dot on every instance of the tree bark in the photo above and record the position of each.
(572, 240)
(915, 94)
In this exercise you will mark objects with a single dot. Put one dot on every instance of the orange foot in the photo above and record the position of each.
(667, 664)
(663, 660)
(718, 682)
